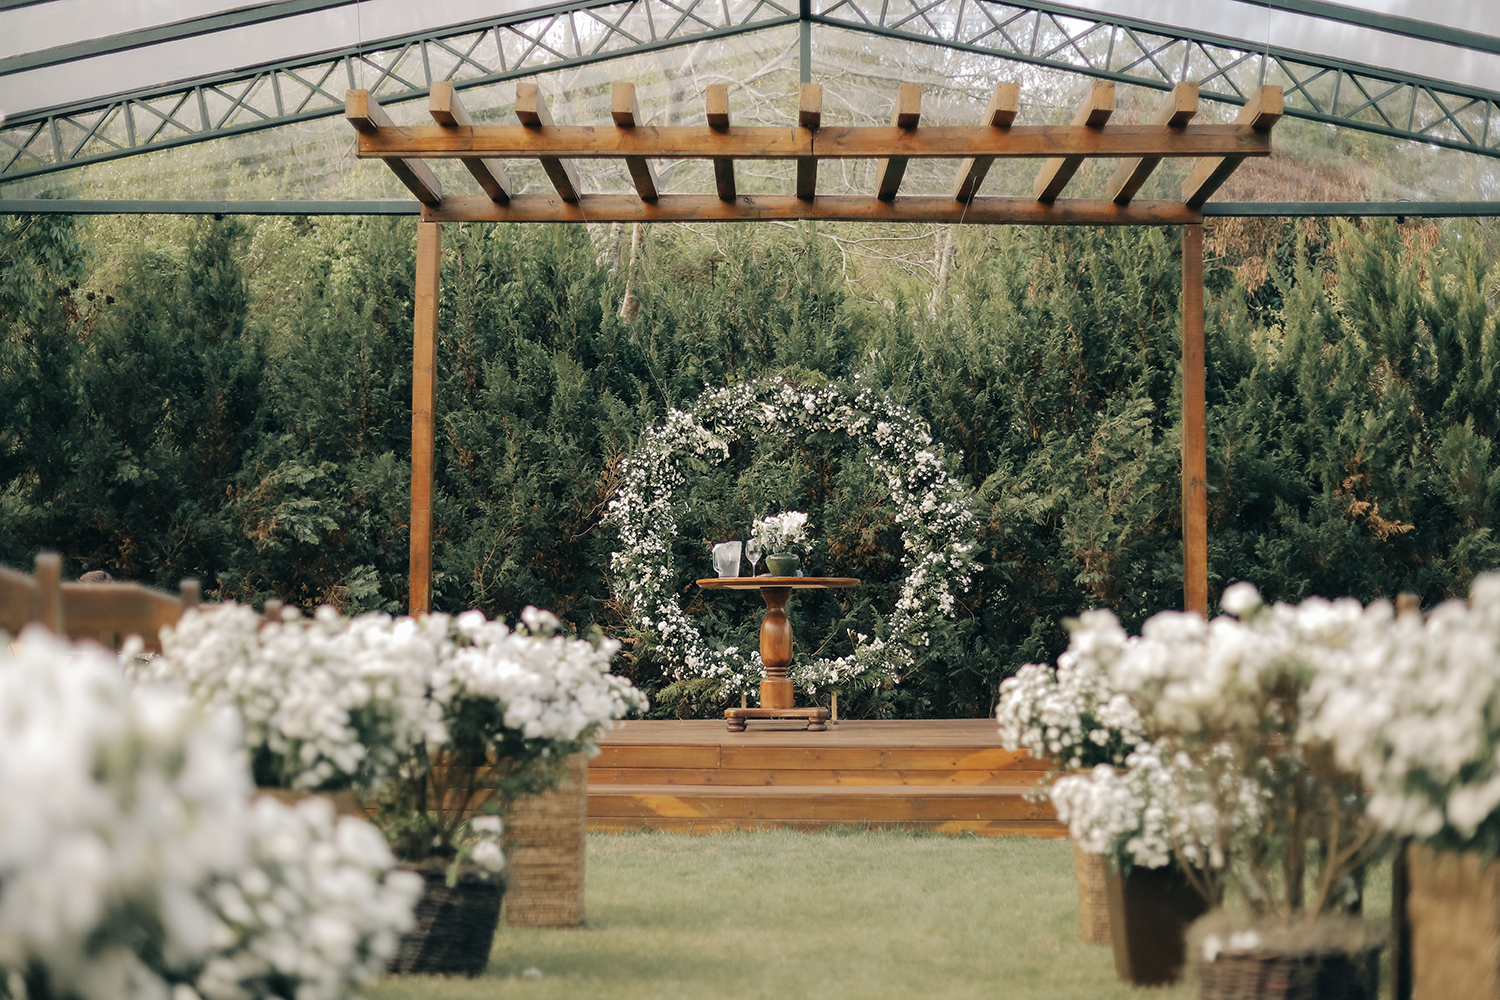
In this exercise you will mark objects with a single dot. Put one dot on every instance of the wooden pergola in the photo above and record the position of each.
(1218, 150)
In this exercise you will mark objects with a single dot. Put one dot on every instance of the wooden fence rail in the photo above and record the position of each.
(105, 612)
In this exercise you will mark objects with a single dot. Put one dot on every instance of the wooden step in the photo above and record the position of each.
(947, 775)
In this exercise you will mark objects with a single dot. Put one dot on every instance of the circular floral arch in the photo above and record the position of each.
(934, 512)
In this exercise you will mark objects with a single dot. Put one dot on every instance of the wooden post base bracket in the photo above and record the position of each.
(817, 718)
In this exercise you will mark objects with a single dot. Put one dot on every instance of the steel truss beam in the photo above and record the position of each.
(1038, 32)
(1128, 50)
(470, 55)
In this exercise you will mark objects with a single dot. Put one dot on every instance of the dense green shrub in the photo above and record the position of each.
(239, 409)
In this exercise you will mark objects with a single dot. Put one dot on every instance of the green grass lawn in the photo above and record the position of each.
(781, 914)
(863, 915)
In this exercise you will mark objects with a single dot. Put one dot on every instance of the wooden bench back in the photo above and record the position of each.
(104, 612)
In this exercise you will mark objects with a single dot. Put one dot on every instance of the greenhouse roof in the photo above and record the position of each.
(214, 105)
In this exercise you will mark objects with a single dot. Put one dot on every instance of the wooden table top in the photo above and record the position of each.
(760, 582)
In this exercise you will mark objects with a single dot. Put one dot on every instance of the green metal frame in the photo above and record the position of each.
(397, 69)
(1274, 209)
(1038, 32)
(1393, 24)
(1142, 53)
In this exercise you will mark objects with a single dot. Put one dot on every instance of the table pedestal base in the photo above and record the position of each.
(817, 718)
(776, 692)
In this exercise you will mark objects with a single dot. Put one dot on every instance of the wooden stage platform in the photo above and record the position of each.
(950, 776)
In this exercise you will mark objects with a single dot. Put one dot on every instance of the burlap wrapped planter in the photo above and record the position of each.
(1454, 913)
(544, 853)
(1092, 872)
(455, 927)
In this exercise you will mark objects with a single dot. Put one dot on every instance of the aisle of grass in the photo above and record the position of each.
(865, 915)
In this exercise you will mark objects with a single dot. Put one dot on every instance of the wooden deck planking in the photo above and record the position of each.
(694, 776)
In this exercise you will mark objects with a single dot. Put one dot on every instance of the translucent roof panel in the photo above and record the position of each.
(285, 39)
(268, 132)
(1264, 24)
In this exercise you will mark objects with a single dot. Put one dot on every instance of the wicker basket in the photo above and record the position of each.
(1335, 975)
(1454, 912)
(1092, 872)
(455, 927)
(544, 848)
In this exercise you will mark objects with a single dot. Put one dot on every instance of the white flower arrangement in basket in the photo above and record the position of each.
(781, 533)
(1237, 783)
(134, 867)
(1414, 708)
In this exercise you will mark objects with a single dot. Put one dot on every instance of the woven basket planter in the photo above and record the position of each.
(455, 927)
(1092, 872)
(1336, 975)
(1150, 910)
(544, 850)
(1453, 908)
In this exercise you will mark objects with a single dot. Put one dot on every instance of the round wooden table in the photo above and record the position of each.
(776, 645)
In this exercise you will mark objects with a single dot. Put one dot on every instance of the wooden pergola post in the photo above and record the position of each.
(423, 411)
(1194, 428)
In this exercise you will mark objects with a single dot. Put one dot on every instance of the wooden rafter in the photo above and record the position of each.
(1218, 148)
(1093, 113)
(809, 117)
(718, 120)
(531, 109)
(447, 110)
(1174, 112)
(1259, 114)
(1005, 102)
(627, 114)
(906, 115)
(368, 118)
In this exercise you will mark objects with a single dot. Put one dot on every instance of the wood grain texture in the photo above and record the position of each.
(423, 412)
(536, 120)
(627, 114)
(1092, 113)
(447, 110)
(1176, 111)
(718, 120)
(906, 115)
(810, 117)
(831, 142)
(806, 776)
(1260, 114)
(368, 118)
(833, 208)
(1194, 428)
(1050, 829)
(1001, 112)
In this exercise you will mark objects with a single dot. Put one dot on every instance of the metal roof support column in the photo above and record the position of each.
(423, 412)
(804, 56)
(1194, 428)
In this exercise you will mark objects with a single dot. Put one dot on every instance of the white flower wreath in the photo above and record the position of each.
(933, 508)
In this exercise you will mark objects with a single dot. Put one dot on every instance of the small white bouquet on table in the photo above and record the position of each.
(780, 536)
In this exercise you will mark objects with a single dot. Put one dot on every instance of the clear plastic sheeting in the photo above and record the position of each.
(315, 160)
(1262, 26)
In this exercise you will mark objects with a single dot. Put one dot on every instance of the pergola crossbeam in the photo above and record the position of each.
(828, 208)
(1174, 112)
(447, 110)
(1260, 113)
(906, 115)
(536, 120)
(718, 120)
(810, 118)
(369, 118)
(1092, 113)
(1001, 112)
(627, 115)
